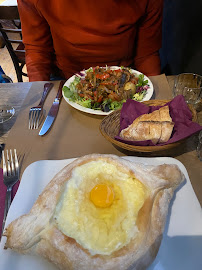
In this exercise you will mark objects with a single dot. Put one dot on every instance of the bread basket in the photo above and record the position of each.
(110, 126)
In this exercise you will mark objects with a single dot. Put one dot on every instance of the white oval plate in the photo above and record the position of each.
(99, 112)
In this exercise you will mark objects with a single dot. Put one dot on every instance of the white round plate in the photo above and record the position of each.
(99, 112)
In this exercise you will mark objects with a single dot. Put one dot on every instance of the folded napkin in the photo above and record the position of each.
(3, 196)
(179, 111)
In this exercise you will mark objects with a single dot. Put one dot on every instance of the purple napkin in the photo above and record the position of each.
(179, 111)
(3, 196)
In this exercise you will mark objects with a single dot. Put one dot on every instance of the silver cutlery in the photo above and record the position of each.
(53, 111)
(10, 177)
(36, 112)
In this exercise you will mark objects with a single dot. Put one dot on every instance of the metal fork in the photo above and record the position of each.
(35, 113)
(11, 176)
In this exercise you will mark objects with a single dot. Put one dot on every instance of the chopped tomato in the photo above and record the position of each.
(102, 76)
(100, 99)
(89, 97)
(81, 95)
(113, 70)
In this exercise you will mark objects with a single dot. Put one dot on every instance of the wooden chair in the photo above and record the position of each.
(9, 15)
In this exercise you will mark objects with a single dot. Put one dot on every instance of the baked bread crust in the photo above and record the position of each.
(36, 232)
(156, 126)
(164, 114)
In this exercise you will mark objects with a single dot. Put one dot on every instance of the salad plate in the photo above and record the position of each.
(81, 105)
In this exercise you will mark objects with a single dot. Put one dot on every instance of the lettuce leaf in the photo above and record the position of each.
(141, 81)
(84, 102)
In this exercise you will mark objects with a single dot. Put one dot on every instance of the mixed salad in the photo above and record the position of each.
(106, 89)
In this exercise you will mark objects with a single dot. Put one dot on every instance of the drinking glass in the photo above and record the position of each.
(190, 86)
(6, 113)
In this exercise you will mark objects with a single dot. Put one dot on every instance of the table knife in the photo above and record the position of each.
(53, 111)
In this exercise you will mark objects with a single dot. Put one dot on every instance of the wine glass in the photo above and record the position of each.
(190, 86)
(6, 113)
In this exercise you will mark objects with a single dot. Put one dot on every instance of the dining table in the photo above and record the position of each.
(76, 133)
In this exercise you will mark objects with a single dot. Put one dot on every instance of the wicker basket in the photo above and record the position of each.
(110, 127)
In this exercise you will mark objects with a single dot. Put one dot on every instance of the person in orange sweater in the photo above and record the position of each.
(69, 36)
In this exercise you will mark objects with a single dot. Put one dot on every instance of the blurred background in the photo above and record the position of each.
(181, 42)
(182, 37)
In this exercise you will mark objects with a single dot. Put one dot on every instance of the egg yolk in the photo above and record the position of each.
(102, 195)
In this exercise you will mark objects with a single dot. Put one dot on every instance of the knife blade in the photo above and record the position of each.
(53, 111)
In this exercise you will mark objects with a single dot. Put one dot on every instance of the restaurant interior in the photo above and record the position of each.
(103, 170)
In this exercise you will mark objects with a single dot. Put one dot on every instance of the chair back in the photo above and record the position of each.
(9, 13)
(10, 28)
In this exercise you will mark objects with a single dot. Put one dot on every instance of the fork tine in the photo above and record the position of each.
(12, 164)
(4, 164)
(34, 117)
(38, 118)
(30, 119)
(8, 164)
(37, 112)
(16, 163)
(33, 112)
(12, 167)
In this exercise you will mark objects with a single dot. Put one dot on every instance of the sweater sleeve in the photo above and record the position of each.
(37, 40)
(148, 40)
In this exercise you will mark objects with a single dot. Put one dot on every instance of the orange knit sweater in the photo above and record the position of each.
(78, 34)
